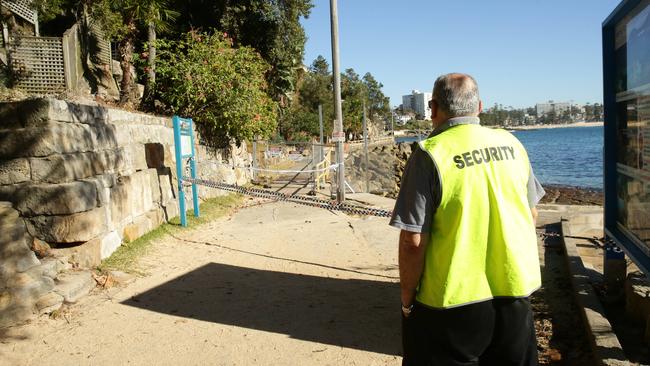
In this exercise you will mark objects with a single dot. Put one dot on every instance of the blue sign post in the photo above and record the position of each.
(184, 147)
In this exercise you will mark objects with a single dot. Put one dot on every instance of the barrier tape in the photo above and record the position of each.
(319, 170)
(303, 200)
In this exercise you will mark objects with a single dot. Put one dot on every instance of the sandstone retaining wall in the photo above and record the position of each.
(84, 179)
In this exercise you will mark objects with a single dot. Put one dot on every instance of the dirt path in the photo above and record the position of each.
(275, 284)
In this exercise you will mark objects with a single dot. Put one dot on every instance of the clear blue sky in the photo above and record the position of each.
(520, 51)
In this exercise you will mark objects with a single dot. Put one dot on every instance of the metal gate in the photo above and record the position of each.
(292, 164)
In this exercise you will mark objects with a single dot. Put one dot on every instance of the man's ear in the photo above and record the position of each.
(480, 106)
(434, 109)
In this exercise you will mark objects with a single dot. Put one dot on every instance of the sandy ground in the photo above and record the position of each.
(275, 284)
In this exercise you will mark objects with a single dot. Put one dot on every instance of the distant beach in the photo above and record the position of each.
(564, 125)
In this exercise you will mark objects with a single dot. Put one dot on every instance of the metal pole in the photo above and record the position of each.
(195, 188)
(253, 171)
(179, 170)
(313, 166)
(338, 127)
(392, 126)
(320, 121)
(365, 147)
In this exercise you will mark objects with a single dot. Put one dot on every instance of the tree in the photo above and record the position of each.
(314, 89)
(272, 27)
(353, 92)
(598, 112)
(158, 17)
(378, 103)
(121, 21)
(565, 117)
(589, 112)
(320, 66)
(222, 88)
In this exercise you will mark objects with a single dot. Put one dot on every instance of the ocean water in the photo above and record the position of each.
(571, 156)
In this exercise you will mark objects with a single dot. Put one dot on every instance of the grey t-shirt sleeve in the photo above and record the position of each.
(416, 202)
(535, 189)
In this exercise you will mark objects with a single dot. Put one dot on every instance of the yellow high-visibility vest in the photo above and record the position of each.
(483, 243)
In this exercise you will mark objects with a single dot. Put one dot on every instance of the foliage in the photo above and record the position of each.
(415, 125)
(222, 88)
(121, 21)
(50, 9)
(379, 104)
(272, 27)
(594, 112)
(500, 116)
(299, 123)
(316, 89)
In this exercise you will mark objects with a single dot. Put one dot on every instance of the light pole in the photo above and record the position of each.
(392, 125)
(320, 122)
(365, 147)
(337, 135)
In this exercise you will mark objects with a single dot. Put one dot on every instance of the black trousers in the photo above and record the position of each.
(496, 332)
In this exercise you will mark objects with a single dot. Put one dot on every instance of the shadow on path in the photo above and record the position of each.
(351, 313)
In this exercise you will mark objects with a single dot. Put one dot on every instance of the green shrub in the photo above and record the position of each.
(223, 89)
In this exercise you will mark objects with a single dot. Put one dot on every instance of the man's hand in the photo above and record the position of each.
(412, 247)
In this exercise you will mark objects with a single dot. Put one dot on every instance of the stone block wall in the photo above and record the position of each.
(84, 178)
(27, 283)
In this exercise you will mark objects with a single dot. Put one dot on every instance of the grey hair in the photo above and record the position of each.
(456, 94)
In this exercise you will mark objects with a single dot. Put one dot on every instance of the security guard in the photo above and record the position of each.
(468, 256)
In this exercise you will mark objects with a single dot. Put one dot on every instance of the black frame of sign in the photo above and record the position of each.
(623, 236)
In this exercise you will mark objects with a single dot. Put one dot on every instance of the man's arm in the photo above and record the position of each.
(533, 211)
(535, 194)
(412, 247)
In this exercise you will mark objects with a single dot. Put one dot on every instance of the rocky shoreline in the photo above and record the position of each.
(386, 166)
(567, 195)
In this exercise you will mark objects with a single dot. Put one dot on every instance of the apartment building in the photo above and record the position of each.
(418, 103)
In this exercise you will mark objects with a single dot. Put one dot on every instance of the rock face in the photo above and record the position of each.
(77, 180)
(385, 168)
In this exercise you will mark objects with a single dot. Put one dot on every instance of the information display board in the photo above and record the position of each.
(184, 149)
(626, 61)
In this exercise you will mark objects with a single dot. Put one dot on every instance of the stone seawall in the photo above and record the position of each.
(83, 179)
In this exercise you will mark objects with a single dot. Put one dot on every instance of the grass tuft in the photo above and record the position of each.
(126, 257)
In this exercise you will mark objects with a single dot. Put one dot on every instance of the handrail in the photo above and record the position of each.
(325, 175)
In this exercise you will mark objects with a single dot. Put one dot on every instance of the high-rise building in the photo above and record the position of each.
(417, 103)
(558, 108)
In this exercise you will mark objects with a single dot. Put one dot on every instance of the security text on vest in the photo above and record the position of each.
(484, 155)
